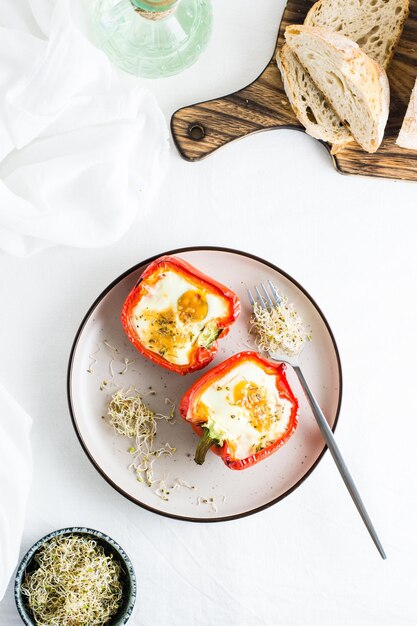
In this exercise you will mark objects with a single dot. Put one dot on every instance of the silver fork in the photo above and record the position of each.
(267, 301)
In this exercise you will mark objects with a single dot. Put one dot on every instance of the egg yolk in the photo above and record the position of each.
(192, 306)
(202, 411)
(254, 399)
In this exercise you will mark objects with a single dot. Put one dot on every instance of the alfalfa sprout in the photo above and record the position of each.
(132, 418)
(75, 583)
(278, 329)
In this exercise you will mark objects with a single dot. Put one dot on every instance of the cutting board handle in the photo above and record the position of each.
(200, 129)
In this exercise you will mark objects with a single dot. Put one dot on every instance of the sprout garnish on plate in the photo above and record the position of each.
(132, 418)
(278, 328)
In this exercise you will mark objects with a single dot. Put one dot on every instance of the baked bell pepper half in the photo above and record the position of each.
(175, 314)
(243, 409)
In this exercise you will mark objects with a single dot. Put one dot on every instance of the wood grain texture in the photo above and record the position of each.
(201, 129)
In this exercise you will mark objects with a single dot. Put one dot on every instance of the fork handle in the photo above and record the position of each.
(338, 459)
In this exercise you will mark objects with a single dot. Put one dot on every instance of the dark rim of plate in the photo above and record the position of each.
(74, 347)
(130, 584)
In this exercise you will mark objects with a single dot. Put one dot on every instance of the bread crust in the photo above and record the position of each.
(407, 137)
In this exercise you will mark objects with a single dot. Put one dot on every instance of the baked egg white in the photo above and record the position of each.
(244, 408)
(174, 316)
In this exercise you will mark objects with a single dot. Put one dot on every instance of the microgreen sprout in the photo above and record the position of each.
(279, 328)
(75, 583)
(132, 418)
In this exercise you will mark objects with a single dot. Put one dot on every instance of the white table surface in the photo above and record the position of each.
(351, 241)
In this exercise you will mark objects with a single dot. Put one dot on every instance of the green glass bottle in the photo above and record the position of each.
(153, 38)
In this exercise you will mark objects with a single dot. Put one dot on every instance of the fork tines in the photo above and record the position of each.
(266, 300)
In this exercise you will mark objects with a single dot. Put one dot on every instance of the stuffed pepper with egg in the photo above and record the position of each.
(243, 409)
(175, 314)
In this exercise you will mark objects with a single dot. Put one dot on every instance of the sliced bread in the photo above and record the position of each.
(309, 104)
(355, 85)
(408, 133)
(375, 25)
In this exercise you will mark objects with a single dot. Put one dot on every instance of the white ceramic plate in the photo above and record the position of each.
(219, 493)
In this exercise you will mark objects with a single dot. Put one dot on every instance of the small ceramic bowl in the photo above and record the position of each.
(110, 547)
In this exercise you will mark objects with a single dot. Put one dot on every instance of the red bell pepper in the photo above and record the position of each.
(191, 307)
(247, 397)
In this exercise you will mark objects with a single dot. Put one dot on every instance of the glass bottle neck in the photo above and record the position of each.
(154, 6)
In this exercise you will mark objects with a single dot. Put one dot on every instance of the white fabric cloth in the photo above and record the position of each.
(15, 480)
(81, 149)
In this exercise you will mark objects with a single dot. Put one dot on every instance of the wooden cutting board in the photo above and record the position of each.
(200, 129)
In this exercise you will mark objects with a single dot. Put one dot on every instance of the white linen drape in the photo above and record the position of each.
(81, 148)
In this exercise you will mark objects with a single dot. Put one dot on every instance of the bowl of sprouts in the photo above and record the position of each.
(75, 577)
